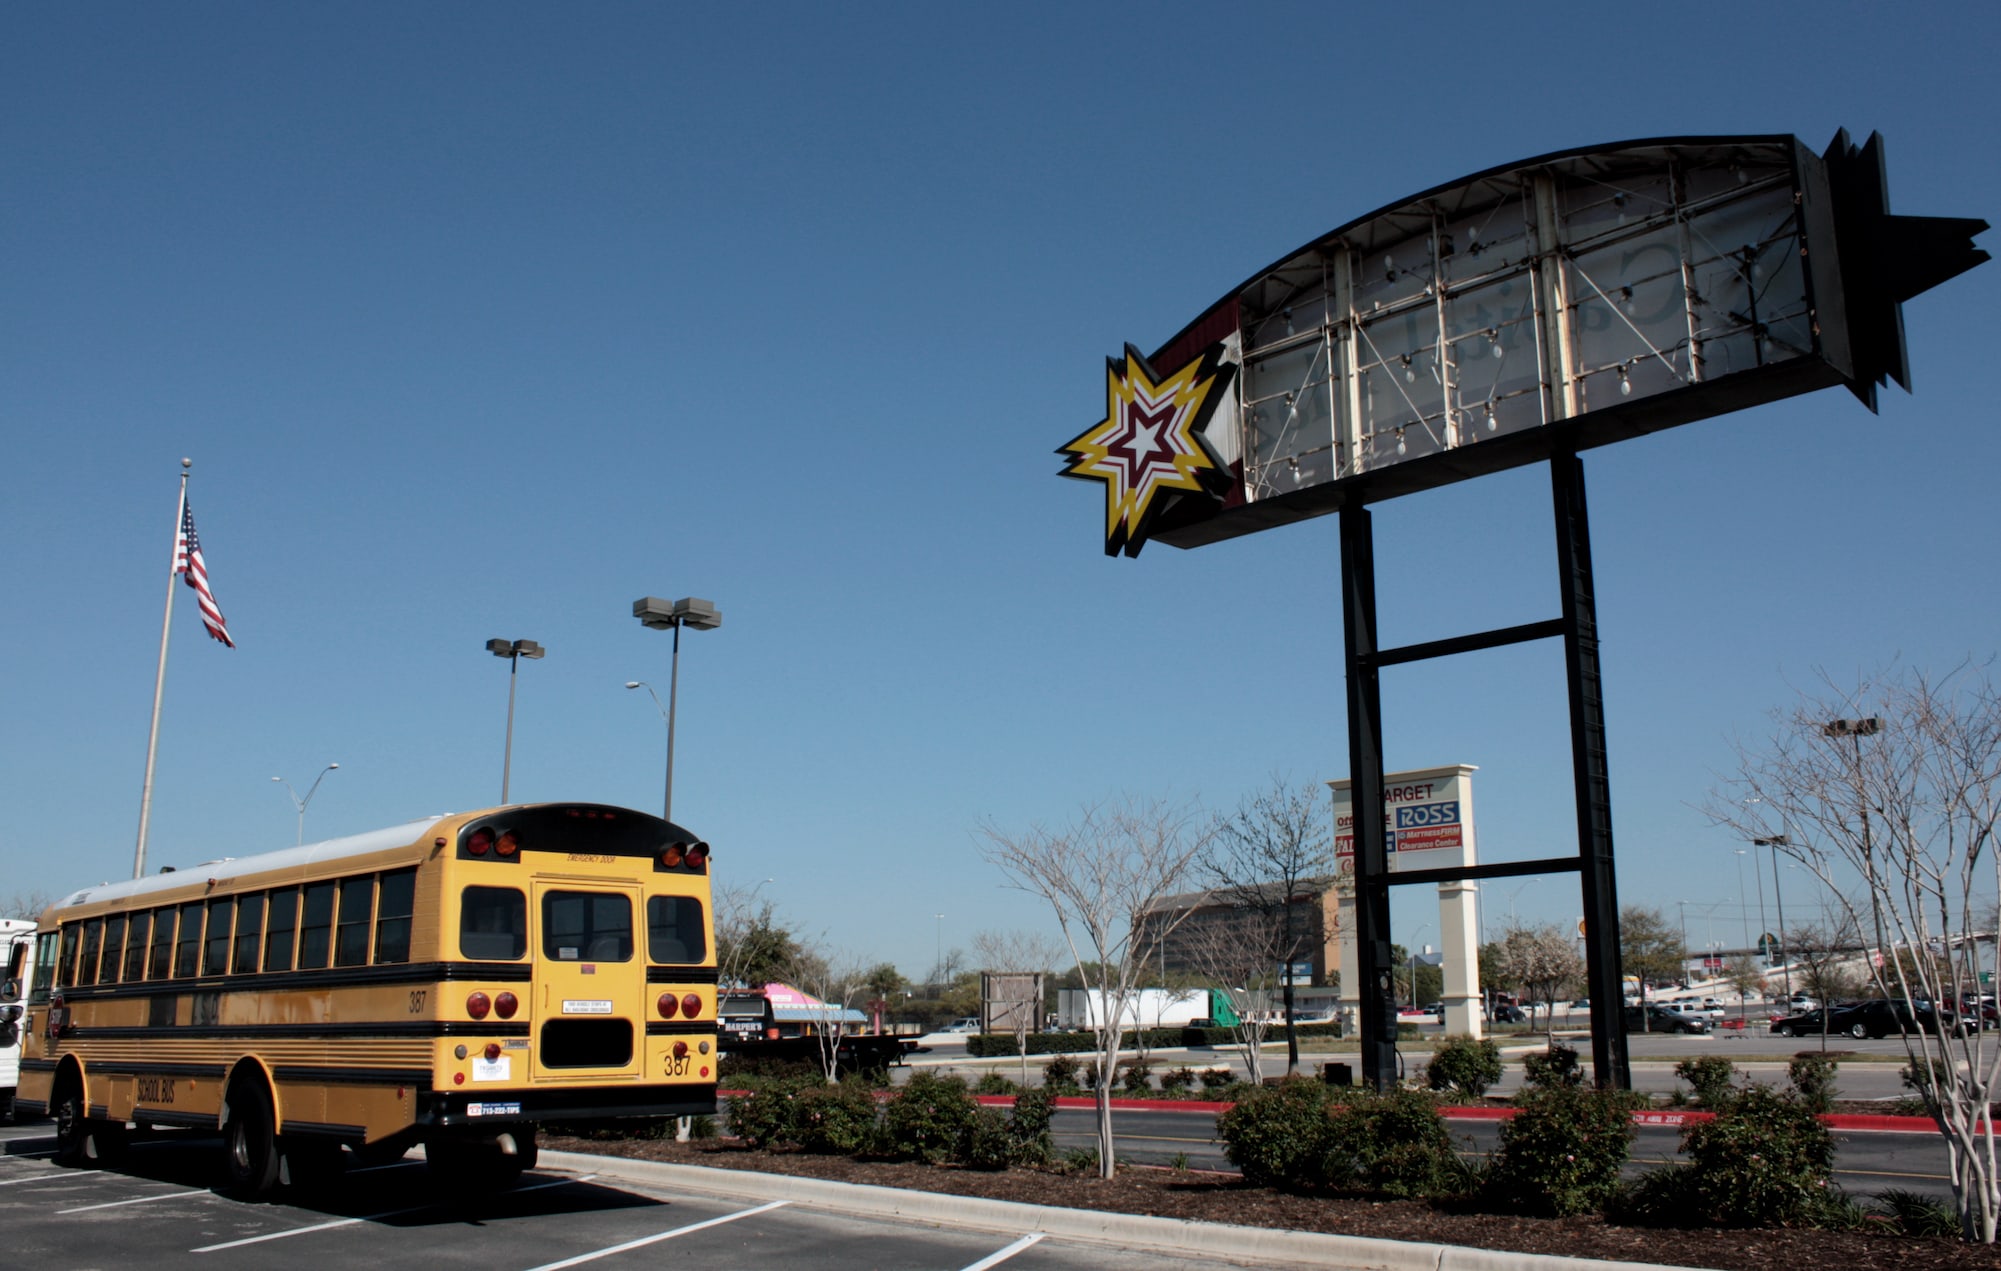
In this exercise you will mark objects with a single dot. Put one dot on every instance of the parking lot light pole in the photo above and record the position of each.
(1775, 842)
(656, 614)
(300, 803)
(513, 651)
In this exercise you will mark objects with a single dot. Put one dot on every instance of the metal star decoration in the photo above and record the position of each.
(1149, 442)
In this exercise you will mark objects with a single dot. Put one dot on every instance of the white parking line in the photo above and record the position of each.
(665, 1235)
(110, 1204)
(995, 1259)
(349, 1222)
(42, 1178)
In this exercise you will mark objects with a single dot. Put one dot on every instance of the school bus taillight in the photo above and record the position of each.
(669, 1005)
(480, 841)
(680, 1050)
(478, 1004)
(698, 856)
(691, 1006)
(505, 1005)
(492, 1051)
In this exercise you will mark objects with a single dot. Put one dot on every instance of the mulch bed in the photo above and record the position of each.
(1225, 1198)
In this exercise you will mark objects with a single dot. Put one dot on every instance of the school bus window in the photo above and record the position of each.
(357, 914)
(45, 969)
(189, 945)
(215, 954)
(316, 928)
(249, 932)
(161, 959)
(586, 926)
(66, 965)
(93, 936)
(279, 930)
(674, 930)
(392, 920)
(493, 924)
(135, 945)
(114, 949)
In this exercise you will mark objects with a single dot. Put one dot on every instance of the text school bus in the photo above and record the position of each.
(451, 982)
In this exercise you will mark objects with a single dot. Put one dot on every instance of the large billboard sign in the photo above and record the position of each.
(1561, 303)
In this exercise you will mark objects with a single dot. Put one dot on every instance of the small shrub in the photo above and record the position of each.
(1277, 1135)
(1464, 1066)
(1916, 1214)
(1215, 1079)
(993, 1083)
(1394, 1143)
(1060, 1073)
(1176, 1081)
(836, 1120)
(1764, 1160)
(1711, 1077)
(929, 1118)
(1812, 1077)
(1136, 1077)
(986, 1143)
(1562, 1151)
(701, 1128)
(1556, 1066)
(1030, 1127)
(765, 1111)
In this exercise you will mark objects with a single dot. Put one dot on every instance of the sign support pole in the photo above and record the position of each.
(1609, 1064)
(1374, 966)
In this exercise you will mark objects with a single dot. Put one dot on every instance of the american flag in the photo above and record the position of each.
(188, 562)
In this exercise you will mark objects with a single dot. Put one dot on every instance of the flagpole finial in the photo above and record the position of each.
(187, 463)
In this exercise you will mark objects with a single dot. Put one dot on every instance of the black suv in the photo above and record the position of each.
(1877, 1017)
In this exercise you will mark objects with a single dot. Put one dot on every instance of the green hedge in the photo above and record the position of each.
(990, 1045)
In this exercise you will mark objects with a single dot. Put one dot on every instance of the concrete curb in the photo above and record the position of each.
(1255, 1245)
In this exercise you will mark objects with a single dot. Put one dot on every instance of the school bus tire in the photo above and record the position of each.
(249, 1139)
(66, 1109)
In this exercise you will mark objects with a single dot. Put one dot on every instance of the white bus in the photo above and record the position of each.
(16, 938)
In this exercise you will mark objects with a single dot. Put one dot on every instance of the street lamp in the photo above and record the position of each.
(1744, 910)
(301, 803)
(668, 720)
(656, 614)
(1775, 842)
(513, 651)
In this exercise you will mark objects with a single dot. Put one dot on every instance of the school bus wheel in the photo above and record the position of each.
(250, 1145)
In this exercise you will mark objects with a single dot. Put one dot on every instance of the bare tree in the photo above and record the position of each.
(836, 982)
(1017, 954)
(1890, 794)
(1241, 953)
(1265, 854)
(752, 949)
(26, 904)
(1828, 956)
(1541, 962)
(1099, 875)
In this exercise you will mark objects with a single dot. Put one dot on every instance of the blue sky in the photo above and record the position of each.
(484, 320)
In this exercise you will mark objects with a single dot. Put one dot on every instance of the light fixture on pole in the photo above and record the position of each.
(513, 651)
(656, 614)
(1775, 842)
(300, 803)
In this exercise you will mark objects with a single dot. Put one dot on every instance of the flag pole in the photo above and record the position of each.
(160, 680)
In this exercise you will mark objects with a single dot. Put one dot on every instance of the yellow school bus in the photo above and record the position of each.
(453, 982)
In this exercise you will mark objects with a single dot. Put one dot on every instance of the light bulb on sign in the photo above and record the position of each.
(1400, 445)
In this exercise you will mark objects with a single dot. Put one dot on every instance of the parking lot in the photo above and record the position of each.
(158, 1210)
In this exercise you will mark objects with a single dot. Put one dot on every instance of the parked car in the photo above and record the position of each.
(1660, 1019)
(970, 1024)
(1505, 1014)
(1876, 1017)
